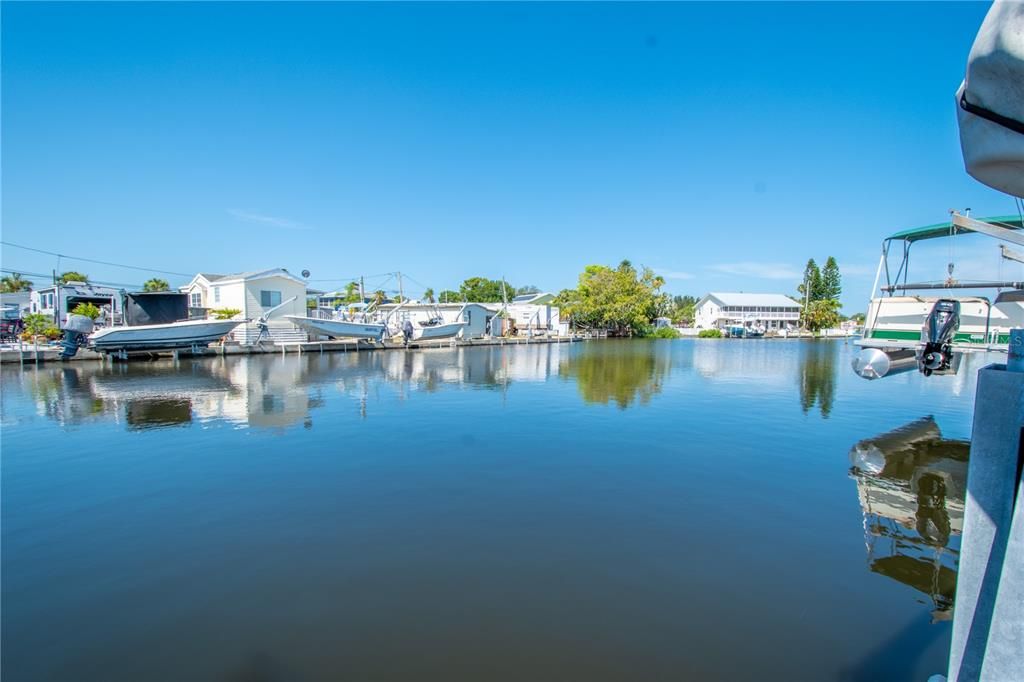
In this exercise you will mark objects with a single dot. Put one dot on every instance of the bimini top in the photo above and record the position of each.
(945, 229)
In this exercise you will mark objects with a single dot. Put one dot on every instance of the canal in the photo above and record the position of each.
(609, 510)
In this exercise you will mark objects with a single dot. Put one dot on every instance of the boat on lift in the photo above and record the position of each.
(356, 321)
(928, 325)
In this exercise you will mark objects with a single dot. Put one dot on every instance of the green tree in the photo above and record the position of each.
(428, 295)
(683, 309)
(72, 276)
(449, 296)
(352, 293)
(822, 314)
(89, 310)
(14, 283)
(810, 287)
(831, 280)
(156, 284)
(483, 290)
(379, 297)
(620, 299)
(528, 289)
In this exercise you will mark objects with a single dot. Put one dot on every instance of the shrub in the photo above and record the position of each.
(36, 324)
(224, 313)
(709, 334)
(665, 333)
(86, 309)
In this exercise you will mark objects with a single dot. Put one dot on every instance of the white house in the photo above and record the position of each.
(771, 311)
(254, 294)
(58, 300)
(534, 313)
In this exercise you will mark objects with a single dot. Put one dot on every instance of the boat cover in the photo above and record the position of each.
(155, 308)
(990, 101)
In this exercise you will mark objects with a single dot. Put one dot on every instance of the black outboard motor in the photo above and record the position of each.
(76, 335)
(937, 335)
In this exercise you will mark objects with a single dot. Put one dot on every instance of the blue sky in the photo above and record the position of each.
(721, 144)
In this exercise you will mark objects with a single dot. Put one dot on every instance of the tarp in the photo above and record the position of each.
(990, 101)
(155, 308)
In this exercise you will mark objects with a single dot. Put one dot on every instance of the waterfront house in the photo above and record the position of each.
(254, 294)
(58, 300)
(770, 311)
(535, 313)
(16, 304)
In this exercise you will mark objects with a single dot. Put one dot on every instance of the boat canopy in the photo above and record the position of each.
(946, 229)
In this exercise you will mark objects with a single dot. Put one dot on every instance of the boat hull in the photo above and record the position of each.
(340, 328)
(184, 334)
(440, 331)
(896, 321)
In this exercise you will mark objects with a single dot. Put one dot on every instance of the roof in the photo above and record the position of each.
(245, 276)
(537, 298)
(945, 229)
(744, 299)
(210, 277)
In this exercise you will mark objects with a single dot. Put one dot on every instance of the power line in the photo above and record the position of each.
(48, 276)
(93, 260)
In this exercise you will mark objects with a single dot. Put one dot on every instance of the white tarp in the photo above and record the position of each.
(990, 101)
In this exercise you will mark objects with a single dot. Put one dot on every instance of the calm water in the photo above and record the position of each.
(603, 511)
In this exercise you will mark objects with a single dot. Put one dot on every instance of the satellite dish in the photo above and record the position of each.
(305, 274)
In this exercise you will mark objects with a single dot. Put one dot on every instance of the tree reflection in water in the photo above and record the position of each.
(618, 371)
(818, 375)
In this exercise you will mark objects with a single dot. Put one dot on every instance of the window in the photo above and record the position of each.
(216, 294)
(195, 299)
(268, 299)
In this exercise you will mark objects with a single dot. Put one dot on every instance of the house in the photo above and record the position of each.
(58, 300)
(771, 311)
(534, 313)
(254, 294)
(15, 304)
(477, 316)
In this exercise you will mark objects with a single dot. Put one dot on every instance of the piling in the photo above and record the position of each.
(988, 622)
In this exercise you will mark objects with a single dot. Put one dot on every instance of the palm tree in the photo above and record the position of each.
(156, 284)
(428, 295)
(379, 297)
(14, 282)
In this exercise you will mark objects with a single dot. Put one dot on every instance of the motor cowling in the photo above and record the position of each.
(937, 333)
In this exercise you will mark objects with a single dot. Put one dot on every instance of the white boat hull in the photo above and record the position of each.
(440, 331)
(340, 328)
(183, 334)
(896, 321)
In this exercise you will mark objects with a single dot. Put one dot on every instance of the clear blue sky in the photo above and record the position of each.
(721, 144)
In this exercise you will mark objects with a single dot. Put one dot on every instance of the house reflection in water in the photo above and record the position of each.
(912, 484)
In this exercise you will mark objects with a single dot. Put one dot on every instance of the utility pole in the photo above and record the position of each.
(401, 293)
(362, 293)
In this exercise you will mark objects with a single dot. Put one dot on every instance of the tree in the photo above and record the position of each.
(620, 299)
(449, 296)
(13, 283)
(483, 290)
(683, 309)
(528, 289)
(156, 284)
(810, 286)
(428, 295)
(831, 281)
(72, 276)
(822, 314)
(379, 297)
(352, 293)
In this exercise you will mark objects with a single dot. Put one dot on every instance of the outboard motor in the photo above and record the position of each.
(407, 331)
(76, 333)
(937, 335)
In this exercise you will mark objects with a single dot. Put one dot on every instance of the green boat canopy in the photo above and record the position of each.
(945, 229)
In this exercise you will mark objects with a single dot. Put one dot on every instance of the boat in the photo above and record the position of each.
(340, 328)
(183, 334)
(934, 322)
(438, 331)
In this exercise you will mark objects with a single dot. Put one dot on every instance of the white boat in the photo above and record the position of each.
(902, 314)
(438, 331)
(185, 334)
(340, 328)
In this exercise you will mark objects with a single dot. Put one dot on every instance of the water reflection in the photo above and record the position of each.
(620, 372)
(817, 379)
(911, 483)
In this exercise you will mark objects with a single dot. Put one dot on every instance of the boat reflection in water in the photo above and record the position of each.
(912, 484)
